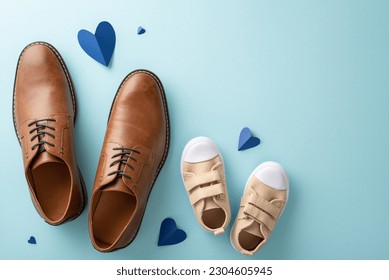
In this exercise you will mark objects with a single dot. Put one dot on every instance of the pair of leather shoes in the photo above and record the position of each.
(134, 150)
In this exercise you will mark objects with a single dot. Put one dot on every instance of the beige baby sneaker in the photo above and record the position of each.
(202, 171)
(263, 201)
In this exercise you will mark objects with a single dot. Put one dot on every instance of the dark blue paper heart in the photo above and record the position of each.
(169, 234)
(32, 240)
(99, 46)
(247, 140)
(141, 30)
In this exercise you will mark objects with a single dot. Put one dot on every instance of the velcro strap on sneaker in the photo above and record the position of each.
(202, 179)
(204, 192)
(259, 215)
(263, 204)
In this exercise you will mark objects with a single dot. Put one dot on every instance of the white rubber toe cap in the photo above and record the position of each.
(272, 174)
(199, 149)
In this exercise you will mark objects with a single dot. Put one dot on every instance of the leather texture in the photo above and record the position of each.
(205, 184)
(260, 208)
(44, 108)
(134, 150)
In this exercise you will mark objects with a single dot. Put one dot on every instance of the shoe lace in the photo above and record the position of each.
(124, 155)
(40, 131)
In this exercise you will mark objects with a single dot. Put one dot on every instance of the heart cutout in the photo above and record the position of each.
(99, 46)
(141, 30)
(32, 240)
(247, 140)
(169, 234)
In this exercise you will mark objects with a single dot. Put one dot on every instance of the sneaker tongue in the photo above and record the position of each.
(209, 204)
(118, 185)
(44, 157)
(255, 229)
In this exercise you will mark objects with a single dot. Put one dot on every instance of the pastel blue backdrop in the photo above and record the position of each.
(310, 78)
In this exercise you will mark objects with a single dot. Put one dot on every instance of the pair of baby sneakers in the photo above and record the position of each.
(262, 203)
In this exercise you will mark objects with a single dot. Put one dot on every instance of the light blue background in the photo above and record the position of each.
(310, 78)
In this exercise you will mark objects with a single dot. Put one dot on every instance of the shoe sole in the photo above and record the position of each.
(70, 83)
(162, 162)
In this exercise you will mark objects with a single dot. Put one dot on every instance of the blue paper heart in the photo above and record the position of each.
(169, 234)
(99, 46)
(141, 30)
(32, 240)
(247, 140)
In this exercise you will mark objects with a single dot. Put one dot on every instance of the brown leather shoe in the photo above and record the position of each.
(134, 150)
(44, 109)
